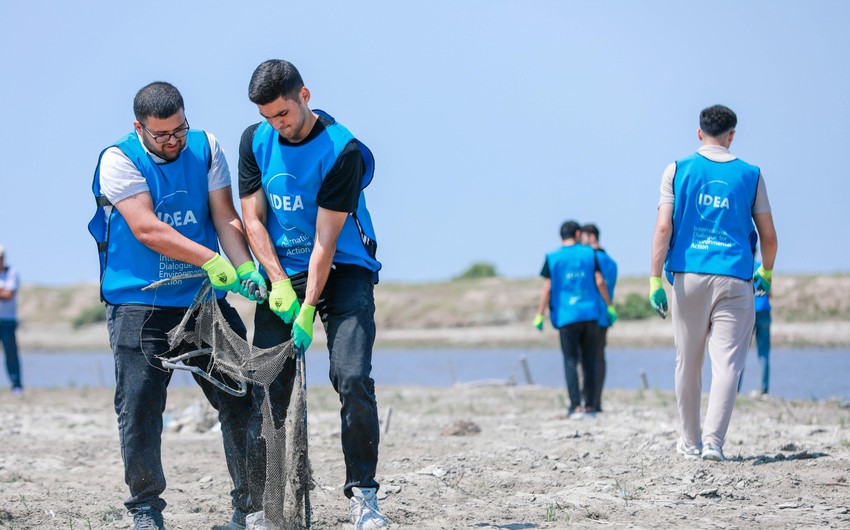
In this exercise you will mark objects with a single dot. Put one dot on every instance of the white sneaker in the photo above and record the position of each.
(257, 521)
(691, 453)
(714, 454)
(363, 510)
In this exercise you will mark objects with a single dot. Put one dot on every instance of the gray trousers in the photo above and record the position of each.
(718, 309)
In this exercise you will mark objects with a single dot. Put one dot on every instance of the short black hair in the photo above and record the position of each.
(272, 79)
(569, 229)
(716, 120)
(158, 99)
(591, 229)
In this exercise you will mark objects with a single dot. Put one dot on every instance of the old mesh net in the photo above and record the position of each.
(286, 500)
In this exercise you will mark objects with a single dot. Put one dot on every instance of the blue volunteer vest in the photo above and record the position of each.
(713, 231)
(761, 301)
(291, 177)
(573, 293)
(608, 268)
(180, 193)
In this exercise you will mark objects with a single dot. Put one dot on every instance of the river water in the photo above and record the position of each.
(795, 373)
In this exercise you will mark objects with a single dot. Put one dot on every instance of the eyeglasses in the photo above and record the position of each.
(162, 138)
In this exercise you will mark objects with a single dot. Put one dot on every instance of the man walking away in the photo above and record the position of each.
(713, 207)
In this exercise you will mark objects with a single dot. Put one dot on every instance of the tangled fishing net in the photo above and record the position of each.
(286, 498)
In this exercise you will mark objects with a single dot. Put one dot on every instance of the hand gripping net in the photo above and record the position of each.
(286, 497)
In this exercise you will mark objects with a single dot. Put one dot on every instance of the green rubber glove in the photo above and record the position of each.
(251, 284)
(222, 274)
(538, 321)
(302, 330)
(657, 296)
(612, 314)
(283, 301)
(765, 276)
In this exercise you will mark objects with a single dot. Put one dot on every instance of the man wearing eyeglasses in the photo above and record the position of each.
(164, 204)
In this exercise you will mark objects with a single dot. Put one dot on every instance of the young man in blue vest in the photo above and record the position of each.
(164, 203)
(301, 181)
(762, 334)
(712, 204)
(573, 282)
(608, 268)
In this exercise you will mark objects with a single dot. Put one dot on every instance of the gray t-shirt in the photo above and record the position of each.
(716, 153)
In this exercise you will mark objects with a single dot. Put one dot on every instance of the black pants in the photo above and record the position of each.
(601, 366)
(347, 310)
(137, 334)
(579, 344)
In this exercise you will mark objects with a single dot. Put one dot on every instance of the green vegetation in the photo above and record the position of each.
(89, 315)
(478, 270)
(111, 515)
(635, 307)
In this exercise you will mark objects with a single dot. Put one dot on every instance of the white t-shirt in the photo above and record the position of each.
(716, 153)
(120, 178)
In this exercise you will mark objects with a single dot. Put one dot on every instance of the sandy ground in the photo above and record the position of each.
(471, 456)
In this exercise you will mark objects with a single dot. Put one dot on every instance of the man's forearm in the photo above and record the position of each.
(167, 241)
(261, 246)
(329, 225)
(661, 239)
(767, 236)
(768, 253)
(321, 261)
(602, 287)
(657, 265)
(232, 237)
(158, 236)
(545, 295)
(228, 226)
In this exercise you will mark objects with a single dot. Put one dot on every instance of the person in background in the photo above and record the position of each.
(608, 268)
(713, 209)
(573, 281)
(762, 333)
(9, 321)
(164, 206)
(301, 181)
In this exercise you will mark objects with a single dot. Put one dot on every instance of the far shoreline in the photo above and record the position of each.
(808, 312)
(636, 335)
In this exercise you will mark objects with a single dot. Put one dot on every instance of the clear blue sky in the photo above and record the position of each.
(492, 121)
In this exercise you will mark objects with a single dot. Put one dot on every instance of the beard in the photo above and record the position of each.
(168, 155)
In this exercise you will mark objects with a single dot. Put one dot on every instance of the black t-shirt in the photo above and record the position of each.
(340, 190)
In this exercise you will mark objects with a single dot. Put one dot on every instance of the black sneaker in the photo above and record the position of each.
(146, 517)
